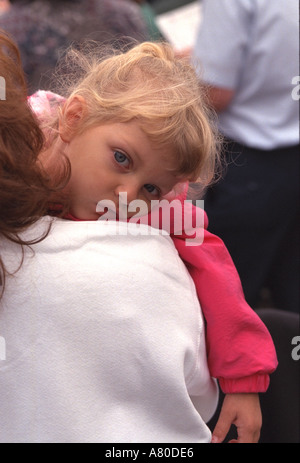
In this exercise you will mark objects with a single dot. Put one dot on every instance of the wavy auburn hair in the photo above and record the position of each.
(24, 187)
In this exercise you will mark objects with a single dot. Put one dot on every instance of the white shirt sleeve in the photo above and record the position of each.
(222, 40)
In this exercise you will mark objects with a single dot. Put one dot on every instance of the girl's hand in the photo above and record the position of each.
(242, 410)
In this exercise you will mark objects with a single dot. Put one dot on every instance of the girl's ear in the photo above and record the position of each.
(71, 117)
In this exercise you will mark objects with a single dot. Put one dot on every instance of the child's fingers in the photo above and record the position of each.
(248, 434)
(242, 410)
(222, 427)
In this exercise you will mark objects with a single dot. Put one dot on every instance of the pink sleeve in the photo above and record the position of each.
(241, 353)
(240, 350)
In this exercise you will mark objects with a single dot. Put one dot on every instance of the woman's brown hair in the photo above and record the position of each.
(24, 186)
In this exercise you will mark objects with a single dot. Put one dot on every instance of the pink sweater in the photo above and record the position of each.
(241, 353)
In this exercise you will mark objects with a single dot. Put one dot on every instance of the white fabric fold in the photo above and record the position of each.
(104, 339)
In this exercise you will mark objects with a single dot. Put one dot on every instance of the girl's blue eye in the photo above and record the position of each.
(152, 189)
(121, 158)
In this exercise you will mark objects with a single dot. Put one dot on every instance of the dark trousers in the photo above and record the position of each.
(255, 210)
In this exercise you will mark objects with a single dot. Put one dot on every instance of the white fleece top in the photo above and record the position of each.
(102, 339)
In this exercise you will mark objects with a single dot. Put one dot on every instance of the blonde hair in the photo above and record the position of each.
(163, 92)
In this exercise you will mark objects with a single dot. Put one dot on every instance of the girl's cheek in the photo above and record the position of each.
(177, 190)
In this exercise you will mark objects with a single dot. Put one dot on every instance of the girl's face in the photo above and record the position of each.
(116, 158)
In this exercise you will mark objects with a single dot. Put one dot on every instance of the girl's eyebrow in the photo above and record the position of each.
(128, 147)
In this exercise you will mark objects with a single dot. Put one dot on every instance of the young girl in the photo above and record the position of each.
(136, 124)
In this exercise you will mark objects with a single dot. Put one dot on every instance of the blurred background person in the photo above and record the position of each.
(248, 52)
(43, 29)
(39, 42)
(79, 18)
(149, 16)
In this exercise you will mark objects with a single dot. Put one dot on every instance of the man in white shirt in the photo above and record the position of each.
(249, 56)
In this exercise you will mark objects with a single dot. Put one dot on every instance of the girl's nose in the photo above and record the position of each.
(129, 191)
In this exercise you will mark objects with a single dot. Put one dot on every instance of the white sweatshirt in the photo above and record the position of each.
(102, 339)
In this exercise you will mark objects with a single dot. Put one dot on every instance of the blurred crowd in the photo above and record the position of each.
(43, 29)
